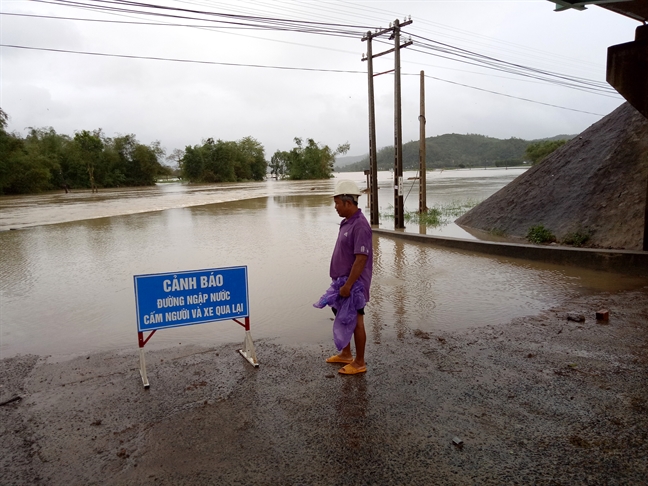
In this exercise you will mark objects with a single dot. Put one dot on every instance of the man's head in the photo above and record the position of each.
(346, 198)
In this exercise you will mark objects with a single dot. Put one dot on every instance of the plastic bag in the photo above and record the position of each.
(347, 308)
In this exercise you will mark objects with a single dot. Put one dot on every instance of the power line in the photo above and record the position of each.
(237, 21)
(509, 96)
(441, 50)
(286, 68)
(262, 23)
(507, 66)
(126, 22)
(162, 24)
(451, 52)
(574, 85)
(350, 9)
(194, 61)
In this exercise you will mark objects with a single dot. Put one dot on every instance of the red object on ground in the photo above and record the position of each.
(603, 315)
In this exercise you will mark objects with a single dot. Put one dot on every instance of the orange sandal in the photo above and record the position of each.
(338, 359)
(352, 370)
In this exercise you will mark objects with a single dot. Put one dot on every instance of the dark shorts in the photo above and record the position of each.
(360, 311)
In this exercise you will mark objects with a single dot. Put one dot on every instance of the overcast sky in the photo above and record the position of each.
(181, 104)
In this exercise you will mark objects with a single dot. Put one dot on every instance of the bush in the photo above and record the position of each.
(539, 234)
(538, 151)
(578, 238)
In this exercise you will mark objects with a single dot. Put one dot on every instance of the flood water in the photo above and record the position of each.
(66, 273)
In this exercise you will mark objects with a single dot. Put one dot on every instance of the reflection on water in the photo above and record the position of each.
(68, 288)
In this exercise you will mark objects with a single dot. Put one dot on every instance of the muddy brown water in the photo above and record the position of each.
(66, 273)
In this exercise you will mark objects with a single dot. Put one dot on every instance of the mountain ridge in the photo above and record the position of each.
(454, 150)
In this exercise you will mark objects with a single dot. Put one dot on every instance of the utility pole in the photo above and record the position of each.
(422, 169)
(373, 164)
(394, 28)
(399, 212)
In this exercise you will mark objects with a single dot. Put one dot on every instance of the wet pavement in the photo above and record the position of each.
(541, 400)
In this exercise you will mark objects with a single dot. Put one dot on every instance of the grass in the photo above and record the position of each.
(539, 234)
(577, 238)
(497, 232)
(437, 215)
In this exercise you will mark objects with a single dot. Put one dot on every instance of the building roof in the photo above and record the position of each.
(635, 9)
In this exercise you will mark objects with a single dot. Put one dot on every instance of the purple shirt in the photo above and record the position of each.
(354, 239)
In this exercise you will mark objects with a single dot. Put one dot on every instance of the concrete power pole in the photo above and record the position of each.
(398, 136)
(373, 164)
(422, 151)
(399, 213)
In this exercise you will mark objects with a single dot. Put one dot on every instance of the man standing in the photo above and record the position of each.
(352, 258)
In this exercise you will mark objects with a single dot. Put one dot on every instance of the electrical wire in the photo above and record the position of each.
(261, 23)
(500, 64)
(506, 95)
(237, 21)
(161, 24)
(349, 9)
(192, 61)
(440, 50)
(289, 68)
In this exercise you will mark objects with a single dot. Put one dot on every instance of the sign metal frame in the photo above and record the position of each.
(176, 299)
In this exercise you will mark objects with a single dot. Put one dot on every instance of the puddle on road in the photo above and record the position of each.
(418, 286)
(67, 289)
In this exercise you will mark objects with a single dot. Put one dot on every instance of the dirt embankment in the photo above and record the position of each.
(595, 184)
(542, 400)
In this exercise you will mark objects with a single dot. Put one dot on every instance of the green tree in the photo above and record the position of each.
(536, 152)
(175, 158)
(90, 148)
(34, 164)
(191, 164)
(45, 160)
(278, 164)
(312, 161)
(9, 145)
(134, 163)
(224, 161)
(251, 159)
(220, 161)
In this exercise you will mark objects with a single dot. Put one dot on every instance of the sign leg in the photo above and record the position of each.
(142, 369)
(248, 351)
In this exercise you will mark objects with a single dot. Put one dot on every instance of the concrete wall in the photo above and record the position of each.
(619, 261)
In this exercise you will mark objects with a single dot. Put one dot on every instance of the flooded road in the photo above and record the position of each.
(66, 279)
(443, 187)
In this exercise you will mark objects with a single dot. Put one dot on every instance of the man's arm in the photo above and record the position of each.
(356, 271)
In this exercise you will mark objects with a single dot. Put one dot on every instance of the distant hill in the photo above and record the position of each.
(553, 139)
(344, 161)
(454, 150)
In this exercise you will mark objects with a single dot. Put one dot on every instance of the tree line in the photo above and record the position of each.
(220, 161)
(308, 160)
(45, 160)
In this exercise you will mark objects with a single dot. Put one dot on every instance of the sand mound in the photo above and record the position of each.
(595, 183)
